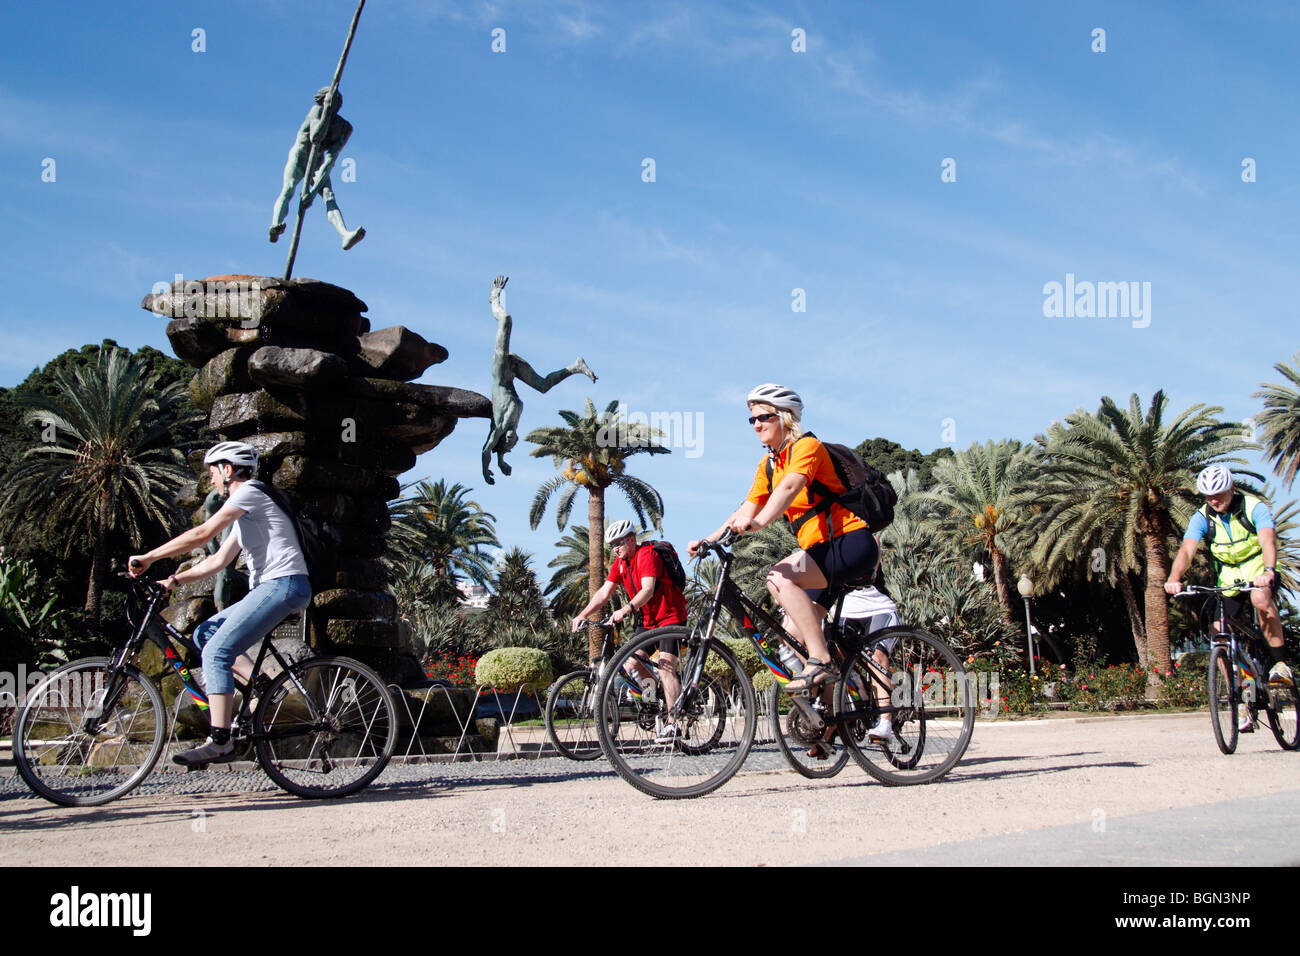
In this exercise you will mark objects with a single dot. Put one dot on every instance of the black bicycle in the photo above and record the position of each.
(1238, 678)
(636, 710)
(907, 674)
(94, 729)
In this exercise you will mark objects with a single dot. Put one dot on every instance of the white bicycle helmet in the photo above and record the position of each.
(618, 531)
(238, 453)
(778, 396)
(1213, 480)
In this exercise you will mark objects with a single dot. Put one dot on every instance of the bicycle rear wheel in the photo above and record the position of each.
(1284, 715)
(917, 680)
(795, 737)
(84, 738)
(325, 728)
(571, 716)
(1221, 688)
(715, 734)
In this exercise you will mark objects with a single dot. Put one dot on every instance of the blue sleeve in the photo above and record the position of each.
(1196, 528)
(1262, 516)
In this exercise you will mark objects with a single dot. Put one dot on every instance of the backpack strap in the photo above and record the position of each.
(277, 496)
(1241, 513)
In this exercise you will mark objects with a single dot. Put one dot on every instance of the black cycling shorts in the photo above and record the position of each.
(843, 559)
(1233, 606)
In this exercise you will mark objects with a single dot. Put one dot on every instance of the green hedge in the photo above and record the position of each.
(509, 668)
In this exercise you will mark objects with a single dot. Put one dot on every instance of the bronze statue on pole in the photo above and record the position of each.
(313, 153)
(506, 367)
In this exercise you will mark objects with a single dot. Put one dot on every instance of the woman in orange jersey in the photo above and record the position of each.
(797, 479)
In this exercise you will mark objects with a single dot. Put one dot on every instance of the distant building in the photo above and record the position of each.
(473, 596)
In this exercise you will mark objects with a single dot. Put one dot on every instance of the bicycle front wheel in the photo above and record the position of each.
(1221, 688)
(325, 728)
(87, 735)
(915, 680)
(795, 738)
(571, 716)
(1284, 715)
(714, 733)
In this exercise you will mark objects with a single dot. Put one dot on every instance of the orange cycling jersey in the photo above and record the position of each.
(808, 457)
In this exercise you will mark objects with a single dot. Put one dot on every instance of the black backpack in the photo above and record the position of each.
(868, 493)
(672, 564)
(317, 539)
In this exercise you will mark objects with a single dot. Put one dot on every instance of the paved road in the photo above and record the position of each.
(1135, 789)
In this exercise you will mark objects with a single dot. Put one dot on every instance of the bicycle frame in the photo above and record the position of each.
(174, 639)
(727, 594)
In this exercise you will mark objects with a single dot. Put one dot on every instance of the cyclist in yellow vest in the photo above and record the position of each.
(1243, 549)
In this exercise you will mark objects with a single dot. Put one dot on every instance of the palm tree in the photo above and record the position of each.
(111, 468)
(974, 503)
(930, 578)
(1280, 422)
(1134, 474)
(592, 451)
(439, 528)
(567, 589)
(1065, 529)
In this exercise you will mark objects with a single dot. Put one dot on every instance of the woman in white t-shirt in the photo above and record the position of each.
(278, 583)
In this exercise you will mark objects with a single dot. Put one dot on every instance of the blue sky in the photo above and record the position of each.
(774, 171)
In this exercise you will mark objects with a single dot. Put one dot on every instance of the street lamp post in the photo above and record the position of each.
(1026, 589)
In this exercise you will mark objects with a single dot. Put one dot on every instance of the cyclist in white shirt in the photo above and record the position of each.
(278, 583)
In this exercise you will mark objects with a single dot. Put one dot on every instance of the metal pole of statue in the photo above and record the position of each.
(328, 108)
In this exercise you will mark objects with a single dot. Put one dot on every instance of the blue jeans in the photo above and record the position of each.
(223, 637)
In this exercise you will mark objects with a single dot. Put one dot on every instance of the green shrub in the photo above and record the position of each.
(762, 680)
(1184, 685)
(745, 655)
(509, 668)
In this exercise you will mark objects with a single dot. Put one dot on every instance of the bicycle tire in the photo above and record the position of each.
(575, 738)
(62, 761)
(930, 736)
(1221, 691)
(708, 713)
(795, 738)
(343, 750)
(667, 771)
(1284, 715)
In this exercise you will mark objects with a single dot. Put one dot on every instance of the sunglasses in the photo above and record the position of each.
(766, 417)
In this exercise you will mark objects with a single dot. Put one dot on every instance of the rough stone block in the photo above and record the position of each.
(364, 574)
(418, 427)
(349, 633)
(195, 341)
(224, 373)
(457, 402)
(350, 603)
(398, 353)
(270, 366)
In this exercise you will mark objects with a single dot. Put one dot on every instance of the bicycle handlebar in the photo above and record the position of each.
(725, 540)
(1194, 589)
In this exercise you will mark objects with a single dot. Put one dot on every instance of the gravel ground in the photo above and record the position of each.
(1079, 776)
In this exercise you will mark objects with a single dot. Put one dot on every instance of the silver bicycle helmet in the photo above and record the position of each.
(238, 453)
(618, 531)
(778, 396)
(1213, 480)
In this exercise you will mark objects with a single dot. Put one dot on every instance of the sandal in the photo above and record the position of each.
(815, 674)
(821, 750)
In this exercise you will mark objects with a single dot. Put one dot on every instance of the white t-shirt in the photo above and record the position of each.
(267, 537)
(870, 603)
